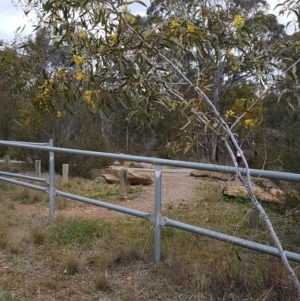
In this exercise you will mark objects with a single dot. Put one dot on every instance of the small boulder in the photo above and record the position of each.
(112, 176)
(272, 195)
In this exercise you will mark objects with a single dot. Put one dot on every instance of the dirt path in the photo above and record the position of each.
(177, 188)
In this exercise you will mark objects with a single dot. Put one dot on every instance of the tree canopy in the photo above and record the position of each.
(115, 57)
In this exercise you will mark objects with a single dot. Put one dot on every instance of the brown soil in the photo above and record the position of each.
(177, 188)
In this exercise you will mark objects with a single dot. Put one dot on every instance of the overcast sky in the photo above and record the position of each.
(11, 18)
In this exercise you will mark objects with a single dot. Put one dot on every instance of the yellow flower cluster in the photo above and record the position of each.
(48, 82)
(78, 60)
(191, 28)
(69, 36)
(60, 74)
(46, 87)
(112, 39)
(235, 68)
(46, 91)
(248, 123)
(238, 21)
(79, 76)
(58, 114)
(82, 34)
(174, 25)
(88, 97)
(130, 20)
(45, 99)
(126, 8)
(229, 53)
(229, 113)
(174, 105)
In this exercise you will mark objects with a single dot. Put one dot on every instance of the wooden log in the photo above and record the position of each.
(38, 169)
(7, 162)
(65, 174)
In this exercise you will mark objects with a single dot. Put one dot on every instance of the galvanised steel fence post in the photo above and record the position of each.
(157, 213)
(51, 181)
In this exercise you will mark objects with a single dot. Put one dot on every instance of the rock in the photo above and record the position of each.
(272, 195)
(138, 179)
(210, 174)
(134, 164)
(112, 176)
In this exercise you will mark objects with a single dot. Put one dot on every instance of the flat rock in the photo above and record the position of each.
(112, 176)
(272, 195)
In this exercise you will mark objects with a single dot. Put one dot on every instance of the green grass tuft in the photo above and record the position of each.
(7, 296)
(79, 231)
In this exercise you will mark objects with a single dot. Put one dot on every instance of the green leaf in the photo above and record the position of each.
(136, 1)
(47, 6)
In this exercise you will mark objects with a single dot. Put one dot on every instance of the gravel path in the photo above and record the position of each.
(177, 188)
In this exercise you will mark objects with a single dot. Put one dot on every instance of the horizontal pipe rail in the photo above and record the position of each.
(9, 174)
(24, 184)
(275, 175)
(28, 143)
(145, 215)
(231, 239)
(155, 218)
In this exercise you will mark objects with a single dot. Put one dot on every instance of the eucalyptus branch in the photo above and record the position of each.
(247, 183)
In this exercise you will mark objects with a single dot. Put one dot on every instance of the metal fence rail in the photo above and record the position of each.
(155, 217)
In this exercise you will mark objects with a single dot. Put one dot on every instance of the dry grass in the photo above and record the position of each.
(102, 281)
(96, 259)
(72, 262)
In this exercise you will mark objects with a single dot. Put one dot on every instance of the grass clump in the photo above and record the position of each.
(15, 242)
(72, 262)
(74, 231)
(61, 203)
(6, 186)
(38, 235)
(7, 296)
(102, 282)
(29, 196)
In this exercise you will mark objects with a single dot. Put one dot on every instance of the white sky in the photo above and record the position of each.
(11, 18)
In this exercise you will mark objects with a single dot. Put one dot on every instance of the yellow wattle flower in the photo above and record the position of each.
(79, 76)
(238, 21)
(126, 8)
(78, 60)
(131, 20)
(82, 34)
(191, 28)
(173, 25)
(248, 123)
(112, 39)
(229, 113)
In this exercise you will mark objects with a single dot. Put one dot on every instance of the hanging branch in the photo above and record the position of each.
(247, 184)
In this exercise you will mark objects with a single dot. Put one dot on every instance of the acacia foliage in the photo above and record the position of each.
(114, 55)
(112, 59)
